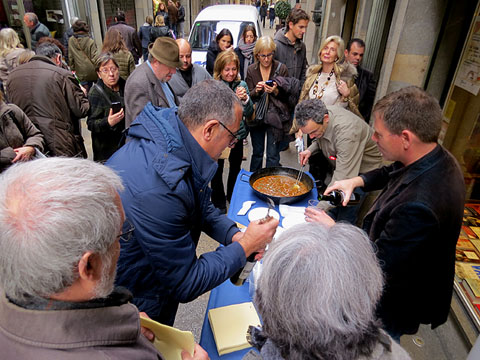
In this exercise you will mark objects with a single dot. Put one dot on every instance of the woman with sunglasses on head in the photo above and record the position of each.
(261, 79)
(106, 119)
(226, 69)
(223, 41)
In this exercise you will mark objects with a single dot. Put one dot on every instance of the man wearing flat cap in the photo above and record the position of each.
(148, 83)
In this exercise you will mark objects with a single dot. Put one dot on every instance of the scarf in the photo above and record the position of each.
(247, 52)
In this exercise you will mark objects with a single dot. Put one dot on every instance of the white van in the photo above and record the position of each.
(211, 20)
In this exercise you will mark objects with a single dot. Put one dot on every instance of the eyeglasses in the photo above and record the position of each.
(264, 56)
(127, 234)
(233, 135)
(112, 70)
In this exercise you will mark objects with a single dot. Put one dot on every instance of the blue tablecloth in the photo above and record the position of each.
(227, 293)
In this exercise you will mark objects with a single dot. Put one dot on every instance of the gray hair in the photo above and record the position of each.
(32, 17)
(48, 49)
(207, 100)
(318, 291)
(51, 212)
(411, 108)
(310, 109)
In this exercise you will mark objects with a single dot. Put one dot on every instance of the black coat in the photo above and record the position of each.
(367, 86)
(159, 31)
(212, 53)
(415, 223)
(105, 138)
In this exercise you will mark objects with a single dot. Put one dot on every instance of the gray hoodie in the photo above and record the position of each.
(294, 56)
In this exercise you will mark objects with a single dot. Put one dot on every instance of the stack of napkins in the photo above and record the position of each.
(169, 341)
(230, 324)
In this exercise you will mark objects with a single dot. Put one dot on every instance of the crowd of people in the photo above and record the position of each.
(94, 237)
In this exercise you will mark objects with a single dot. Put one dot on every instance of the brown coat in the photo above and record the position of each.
(16, 130)
(172, 14)
(111, 332)
(51, 97)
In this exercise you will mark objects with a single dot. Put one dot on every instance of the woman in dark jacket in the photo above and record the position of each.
(144, 35)
(223, 41)
(277, 122)
(244, 50)
(160, 29)
(105, 125)
(18, 136)
(226, 70)
(162, 11)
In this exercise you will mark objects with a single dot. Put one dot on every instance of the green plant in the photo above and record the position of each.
(282, 9)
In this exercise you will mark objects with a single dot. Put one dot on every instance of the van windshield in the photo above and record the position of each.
(204, 32)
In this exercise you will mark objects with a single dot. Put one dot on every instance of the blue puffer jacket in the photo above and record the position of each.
(166, 175)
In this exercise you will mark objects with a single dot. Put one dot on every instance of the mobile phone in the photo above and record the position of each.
(116, 107)
(269, 82)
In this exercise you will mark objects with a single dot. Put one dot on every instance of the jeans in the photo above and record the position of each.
(180, 29)
(173, 27)
(145, 54)
(271, 23)
(257, 135)
(235, 160)
(263, 21)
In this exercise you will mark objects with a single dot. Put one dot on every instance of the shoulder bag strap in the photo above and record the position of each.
(104, 94)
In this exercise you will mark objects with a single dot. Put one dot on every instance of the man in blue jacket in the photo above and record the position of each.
(166, 167)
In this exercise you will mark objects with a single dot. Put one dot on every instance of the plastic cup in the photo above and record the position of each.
(313, 203)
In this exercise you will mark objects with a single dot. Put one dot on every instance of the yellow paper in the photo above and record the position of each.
(230, 324)
(169, 341)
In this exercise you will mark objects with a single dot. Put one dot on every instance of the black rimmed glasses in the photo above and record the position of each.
(235, 137)
(264, 56)
(126, 235)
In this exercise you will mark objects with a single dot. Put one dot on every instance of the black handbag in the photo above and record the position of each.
(259, 111)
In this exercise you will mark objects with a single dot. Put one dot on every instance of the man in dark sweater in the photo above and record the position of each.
(416, 219)
(365, 80)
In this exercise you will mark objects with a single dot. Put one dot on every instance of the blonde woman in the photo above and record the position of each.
(160, 29)
(10, 50)
(330, 80)
(261, 79)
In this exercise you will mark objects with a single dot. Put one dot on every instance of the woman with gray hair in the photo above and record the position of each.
(317, 296)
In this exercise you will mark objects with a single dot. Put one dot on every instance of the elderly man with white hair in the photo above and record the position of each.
(60, 226)
(317, 295)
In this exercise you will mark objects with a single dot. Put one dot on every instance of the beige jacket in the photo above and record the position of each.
(347, 144)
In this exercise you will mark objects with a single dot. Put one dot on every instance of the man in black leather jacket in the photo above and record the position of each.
(365, 80)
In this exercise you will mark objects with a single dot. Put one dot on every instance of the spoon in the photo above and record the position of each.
(299, 176)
